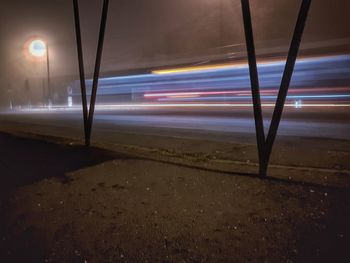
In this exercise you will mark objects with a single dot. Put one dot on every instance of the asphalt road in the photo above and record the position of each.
(317, 139)
(208, 124)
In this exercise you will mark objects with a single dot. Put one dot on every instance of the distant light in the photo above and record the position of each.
(37, 48)
(298, 104)
(70, 101)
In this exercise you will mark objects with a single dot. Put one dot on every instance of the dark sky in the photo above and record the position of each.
(153, 32)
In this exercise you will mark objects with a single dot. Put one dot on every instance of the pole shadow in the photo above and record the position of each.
(26, 161)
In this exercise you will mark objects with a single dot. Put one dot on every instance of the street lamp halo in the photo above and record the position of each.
(38, 48)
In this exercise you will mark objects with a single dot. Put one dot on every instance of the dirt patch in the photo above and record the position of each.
(124, 209)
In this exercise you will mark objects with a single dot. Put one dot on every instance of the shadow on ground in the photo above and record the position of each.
(26, 161)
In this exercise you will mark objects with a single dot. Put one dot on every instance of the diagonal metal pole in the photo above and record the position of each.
(81, 68)
(254, 79)
(286, 79)
(97, 68)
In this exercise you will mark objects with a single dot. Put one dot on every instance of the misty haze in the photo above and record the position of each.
(174, 131)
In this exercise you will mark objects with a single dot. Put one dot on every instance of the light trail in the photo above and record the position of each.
(107, 107)
(243, 97)
(237, 65)
(204, 93)
(219, 105)
(198, 68)
(190, 94)
(321, 82)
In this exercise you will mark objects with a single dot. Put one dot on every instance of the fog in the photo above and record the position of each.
(150, 33)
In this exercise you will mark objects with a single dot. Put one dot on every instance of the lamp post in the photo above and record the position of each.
(38, 48)
(9, 91)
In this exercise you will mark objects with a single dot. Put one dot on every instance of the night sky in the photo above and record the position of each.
(144, 33)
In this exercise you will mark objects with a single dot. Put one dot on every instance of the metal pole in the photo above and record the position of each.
(81, 68)
(97, 68)
(48, 72)
(9, 90)
(44, 91)
(287, 76)
(254, 78)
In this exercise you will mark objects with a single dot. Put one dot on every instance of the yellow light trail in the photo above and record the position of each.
(238, 64)
(197, 68)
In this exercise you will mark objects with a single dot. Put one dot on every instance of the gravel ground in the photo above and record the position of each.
(63, 203)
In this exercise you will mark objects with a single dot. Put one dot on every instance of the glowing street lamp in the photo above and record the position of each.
(38, 48)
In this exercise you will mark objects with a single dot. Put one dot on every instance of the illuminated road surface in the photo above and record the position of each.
(207, 124)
